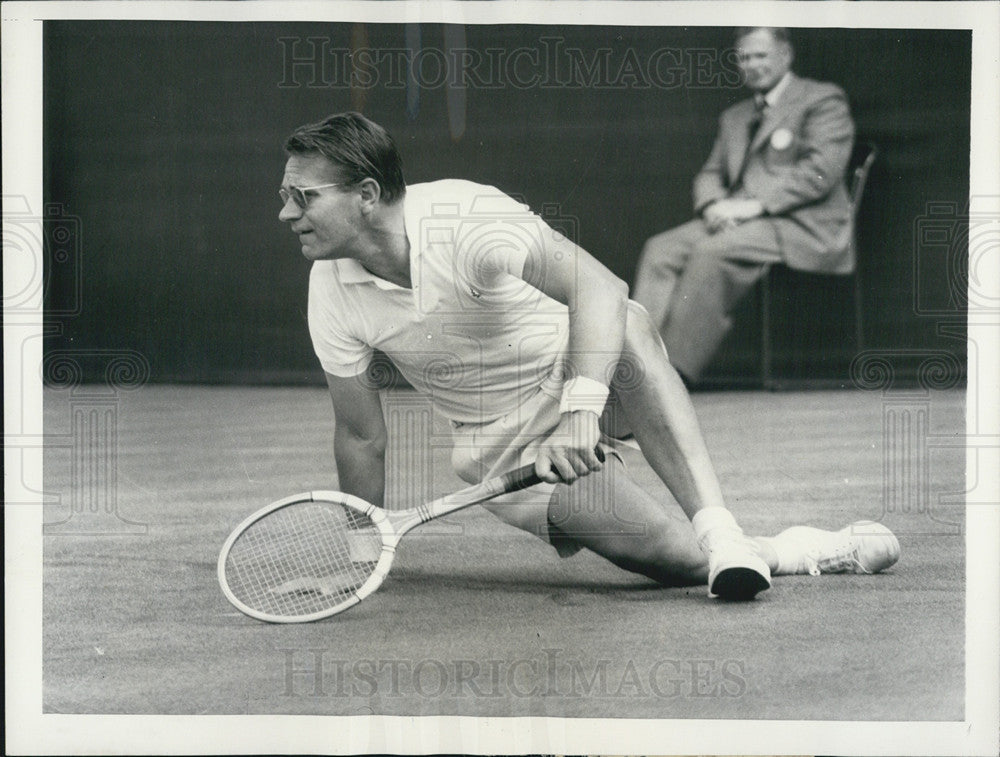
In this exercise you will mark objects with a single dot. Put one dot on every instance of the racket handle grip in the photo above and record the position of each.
(521, 478)
(525, 476)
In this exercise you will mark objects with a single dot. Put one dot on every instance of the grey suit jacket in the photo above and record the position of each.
(795, 168)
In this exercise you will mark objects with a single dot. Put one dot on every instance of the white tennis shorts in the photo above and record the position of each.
(484, 450)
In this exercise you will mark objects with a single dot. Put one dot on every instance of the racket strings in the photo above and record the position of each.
(304, 558)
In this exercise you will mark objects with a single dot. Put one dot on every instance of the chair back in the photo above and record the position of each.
(861, 164)
(858, 167)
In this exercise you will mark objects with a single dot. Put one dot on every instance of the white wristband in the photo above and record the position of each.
(582, 393)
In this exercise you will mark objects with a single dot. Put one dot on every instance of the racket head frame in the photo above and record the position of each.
(377, 515)
(391, 528)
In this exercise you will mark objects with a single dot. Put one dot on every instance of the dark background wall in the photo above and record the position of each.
(165, 141)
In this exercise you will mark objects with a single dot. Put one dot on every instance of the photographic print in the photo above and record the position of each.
(501, 378)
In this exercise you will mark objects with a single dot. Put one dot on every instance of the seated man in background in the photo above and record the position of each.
(772, 191)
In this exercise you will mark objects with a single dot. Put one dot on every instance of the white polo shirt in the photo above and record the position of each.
(471, 334)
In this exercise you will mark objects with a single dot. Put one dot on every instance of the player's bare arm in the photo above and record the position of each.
(359, 440)
(597, 302)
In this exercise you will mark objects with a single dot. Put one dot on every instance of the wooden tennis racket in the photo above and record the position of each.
(313, 555)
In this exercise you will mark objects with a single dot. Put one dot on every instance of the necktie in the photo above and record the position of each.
(760, 106)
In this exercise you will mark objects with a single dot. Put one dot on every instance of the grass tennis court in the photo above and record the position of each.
(476, 617)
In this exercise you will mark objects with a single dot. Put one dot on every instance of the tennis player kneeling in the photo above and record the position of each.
(532, 350)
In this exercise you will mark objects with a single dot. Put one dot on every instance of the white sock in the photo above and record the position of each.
(710, 518)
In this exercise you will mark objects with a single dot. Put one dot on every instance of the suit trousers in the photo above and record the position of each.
(691, 281)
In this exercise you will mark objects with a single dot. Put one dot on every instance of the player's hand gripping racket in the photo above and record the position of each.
(313, 555)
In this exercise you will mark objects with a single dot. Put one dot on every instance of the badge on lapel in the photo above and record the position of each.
(781, 139)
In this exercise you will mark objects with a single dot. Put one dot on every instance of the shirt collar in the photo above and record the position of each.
(772, 97)
(350, 271)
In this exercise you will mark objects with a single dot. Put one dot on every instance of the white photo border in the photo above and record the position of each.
(31, 731)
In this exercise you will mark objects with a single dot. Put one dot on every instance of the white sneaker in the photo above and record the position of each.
(735, 568)
(862, 547)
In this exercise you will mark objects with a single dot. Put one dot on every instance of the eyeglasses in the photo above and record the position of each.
(298, 194)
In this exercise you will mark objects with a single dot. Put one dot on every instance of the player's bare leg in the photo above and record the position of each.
(659, 413)
(608, 513)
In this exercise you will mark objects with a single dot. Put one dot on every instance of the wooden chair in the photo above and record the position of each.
(859, 167)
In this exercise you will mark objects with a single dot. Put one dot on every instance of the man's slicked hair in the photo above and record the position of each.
(358, 146)
(778, 34)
